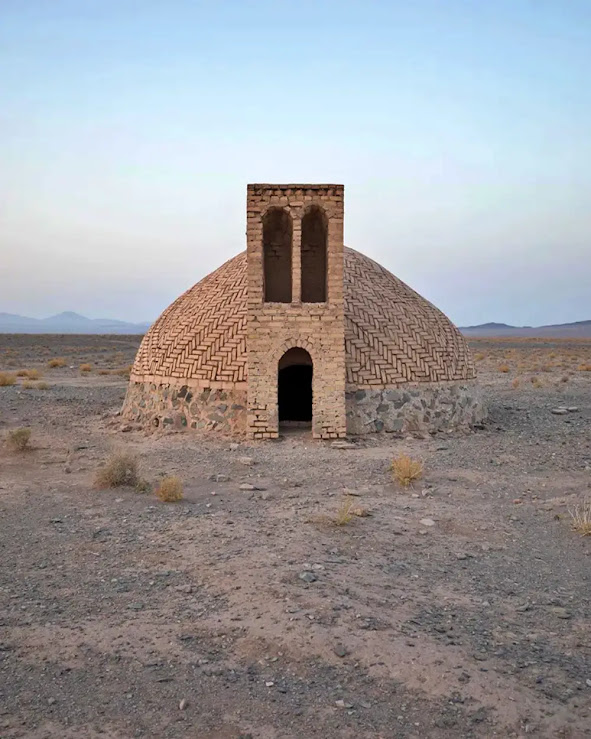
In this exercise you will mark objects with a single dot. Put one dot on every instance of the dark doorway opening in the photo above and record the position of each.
(295, 388)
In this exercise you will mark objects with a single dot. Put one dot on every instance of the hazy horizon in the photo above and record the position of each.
(460, 131)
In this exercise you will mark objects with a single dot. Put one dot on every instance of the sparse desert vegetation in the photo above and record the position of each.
(405, 470)
(433, 607)
(57, 362)
(170, 489)
(121, 469)
(18, 439)
(7, 379)
(580, 514)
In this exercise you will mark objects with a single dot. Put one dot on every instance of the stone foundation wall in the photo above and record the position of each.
(164, 405)
(416, 409)
(422, 409)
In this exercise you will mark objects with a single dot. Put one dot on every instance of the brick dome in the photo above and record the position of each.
(393, 336)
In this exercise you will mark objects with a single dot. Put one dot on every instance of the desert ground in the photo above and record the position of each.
(458, 607)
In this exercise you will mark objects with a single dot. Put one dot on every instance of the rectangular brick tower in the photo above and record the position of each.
(295, 308)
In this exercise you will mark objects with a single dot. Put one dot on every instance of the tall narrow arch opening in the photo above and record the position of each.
(294, 388)
(314, 243)
(277, 240)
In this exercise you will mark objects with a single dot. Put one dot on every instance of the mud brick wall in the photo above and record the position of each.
(273, 328)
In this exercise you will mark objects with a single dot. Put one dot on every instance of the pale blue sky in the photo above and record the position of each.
(460, 128)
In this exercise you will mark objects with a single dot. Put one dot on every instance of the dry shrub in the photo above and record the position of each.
(504, 368)
(170, 489)
(104, 372)
(123, 371)
(580, 515)
(7, 379)
(28, 385)
(121, 469)
(42, 386)
(516, 382)
(564, 378)
(536, 382)
(85, 368)
(57, 362)
(18, 439)
(406, 470)
(479, 357)
(584, 368)
(31, 374)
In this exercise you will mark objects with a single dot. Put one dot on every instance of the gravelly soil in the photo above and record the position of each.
(115, 607)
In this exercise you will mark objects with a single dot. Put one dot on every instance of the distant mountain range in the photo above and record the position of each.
(577, 330)
(67, 323)
(74, 323)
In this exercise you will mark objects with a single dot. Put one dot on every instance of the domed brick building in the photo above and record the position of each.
(300, 330)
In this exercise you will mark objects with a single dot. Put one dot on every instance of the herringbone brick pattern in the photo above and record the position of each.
(202, 335)
(393, 336)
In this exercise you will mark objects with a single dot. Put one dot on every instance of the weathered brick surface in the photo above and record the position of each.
(274, 328)
(373, 331)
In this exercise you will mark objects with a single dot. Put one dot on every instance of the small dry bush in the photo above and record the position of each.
(584, 368)
(28, 385)
(42, 386)
(581, 517)
(57, 362)
(504, 368)
(121, 469)
(344, 514)
(479, 357)
(516, 382)
(104, 372)
(564, 378)
(124, 371)
(30, 374)
(170, 489)
(406, 470)
(18, 439)
(536, 382)
(86, 367)
(7, 379)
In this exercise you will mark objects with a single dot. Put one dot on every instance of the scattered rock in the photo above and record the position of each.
(561, 612)
(220, 478)
(572, 409)
(246, 461)
(340, 650)
(308, 576)
(342, 444)
(342, 704)
(250, 486)
(124, 429)
(183, 704)
(559, 411)
(50, 701)
(427, 522)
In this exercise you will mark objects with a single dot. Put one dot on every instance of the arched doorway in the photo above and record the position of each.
(294, 395)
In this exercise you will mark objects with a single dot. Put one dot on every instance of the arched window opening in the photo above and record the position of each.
(314, 238)
(277, 233)
(295, 388)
